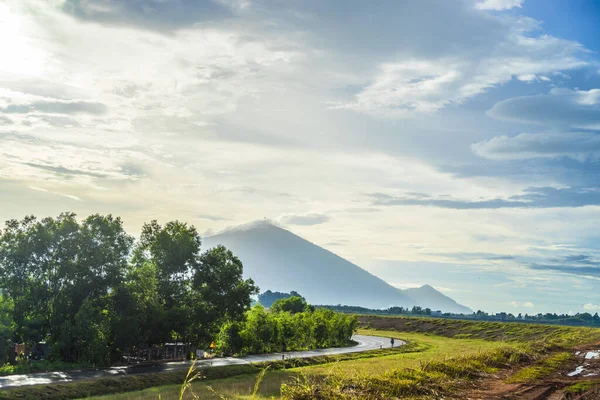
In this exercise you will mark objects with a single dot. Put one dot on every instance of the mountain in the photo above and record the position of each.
(427, 297)
(276, 259)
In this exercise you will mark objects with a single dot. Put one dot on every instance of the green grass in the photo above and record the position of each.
(238, 387)
(424, 352)
(432, 380)
(441, 356)
(543, 368)
(582, 387)
(492, 331)
(245, 377)
(430, 348)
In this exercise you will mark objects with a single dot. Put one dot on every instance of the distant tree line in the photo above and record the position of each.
(579, 319)
(93, 294)
(416, 310)
(291, 324)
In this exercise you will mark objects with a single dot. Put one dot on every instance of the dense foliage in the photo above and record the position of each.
(292, 304)
(284, 330)
(93, 294)
(268, 298)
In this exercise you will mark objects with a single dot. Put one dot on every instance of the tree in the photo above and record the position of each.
(50, 268)
(229, 340)
(173, 251)
(6, 331)
(259, 332)
(417, 310)
(221, 292)
(268, 298)
(292, 305)
(139, 320)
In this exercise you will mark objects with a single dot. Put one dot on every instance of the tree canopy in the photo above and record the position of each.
(268, 298)
(94, 294)
(294, 304)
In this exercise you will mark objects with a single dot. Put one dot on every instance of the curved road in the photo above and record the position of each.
(364, 343)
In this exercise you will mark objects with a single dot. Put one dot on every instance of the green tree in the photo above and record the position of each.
(6, 330)
(50, 268)
(173, 251)
(292, 305)
(268, 298)
(139, 320)
(229, 339)
(220, 292)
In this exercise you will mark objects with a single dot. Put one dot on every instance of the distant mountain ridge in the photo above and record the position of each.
(428, 297)
(277, 259)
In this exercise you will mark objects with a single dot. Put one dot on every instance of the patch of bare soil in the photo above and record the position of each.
(585, 370)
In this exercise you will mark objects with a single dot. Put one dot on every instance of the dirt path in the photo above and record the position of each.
(584, 369)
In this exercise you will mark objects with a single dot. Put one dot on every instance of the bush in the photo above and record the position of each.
(275, 331)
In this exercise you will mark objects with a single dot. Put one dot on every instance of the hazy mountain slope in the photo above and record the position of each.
(427, 296)
(279, 260)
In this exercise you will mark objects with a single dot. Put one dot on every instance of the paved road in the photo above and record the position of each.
(364, 343)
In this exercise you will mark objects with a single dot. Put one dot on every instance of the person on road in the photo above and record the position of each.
(392, 341)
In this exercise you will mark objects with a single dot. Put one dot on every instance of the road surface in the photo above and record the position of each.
(364, 343)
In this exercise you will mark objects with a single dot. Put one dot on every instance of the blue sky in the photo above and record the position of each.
(454, 143)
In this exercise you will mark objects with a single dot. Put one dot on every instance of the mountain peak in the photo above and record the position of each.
(253, 225)
(430, 297)
(277, 259)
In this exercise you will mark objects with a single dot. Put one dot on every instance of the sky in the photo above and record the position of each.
(454, 143)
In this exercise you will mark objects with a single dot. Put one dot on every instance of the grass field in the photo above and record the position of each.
(441, 356)
(428, 348)
(432, 347)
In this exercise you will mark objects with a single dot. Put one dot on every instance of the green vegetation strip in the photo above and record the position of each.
(552, 335)
(83, 389)
(542, 368)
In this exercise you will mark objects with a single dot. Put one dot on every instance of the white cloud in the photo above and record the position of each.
(527, 77)
(525, 304)
(562, 108)
(149, 116)
(498, 4)
(421, 86)
(304, 219)
(68, 196)
(591, 307)
(577, 145)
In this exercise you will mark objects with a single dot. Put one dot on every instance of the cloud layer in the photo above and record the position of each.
(578, 145)
(473, 120)
(561, 107)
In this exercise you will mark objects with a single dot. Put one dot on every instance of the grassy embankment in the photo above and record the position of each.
(442, 356)
(541, 347)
